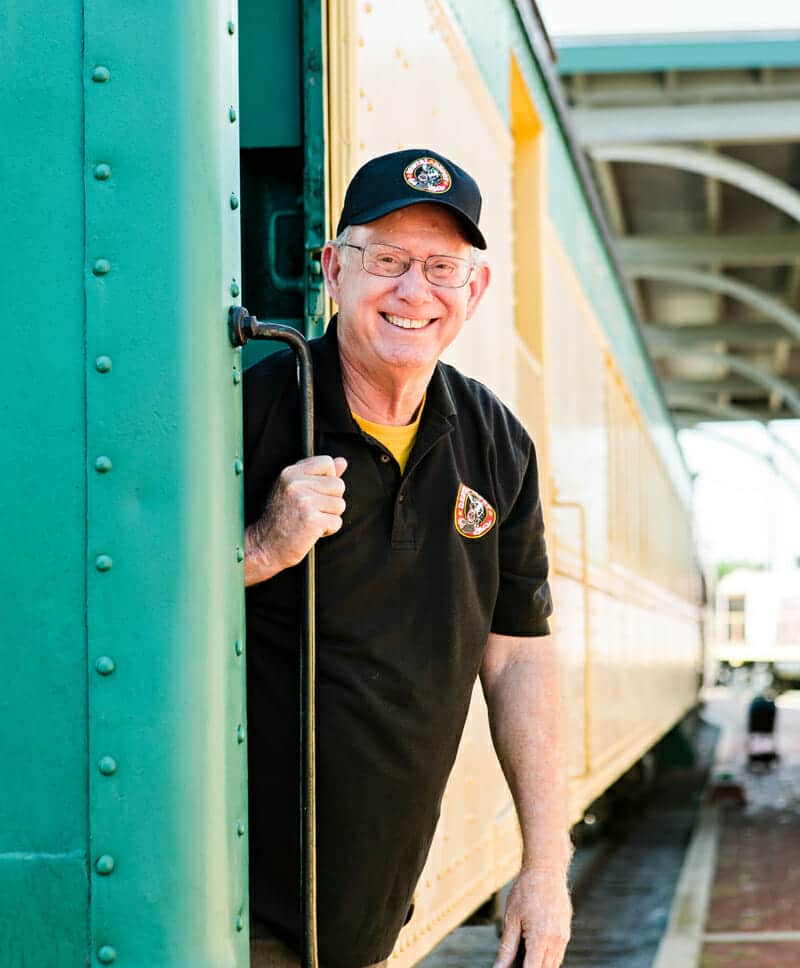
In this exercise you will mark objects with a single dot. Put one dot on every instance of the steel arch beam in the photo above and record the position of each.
(771, 307)
(697, 405)
(769, 381)
(752, 452)
(739, 173)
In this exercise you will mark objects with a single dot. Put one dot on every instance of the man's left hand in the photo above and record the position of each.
(539, 911)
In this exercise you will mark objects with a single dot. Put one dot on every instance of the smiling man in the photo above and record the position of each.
(432, 570)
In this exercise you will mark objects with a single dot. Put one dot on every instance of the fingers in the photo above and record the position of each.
(507, 949)
(320, 466)
(544, 953)
(322, 475)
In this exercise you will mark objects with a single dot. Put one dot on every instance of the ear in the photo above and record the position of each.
(478, 281)
(331, 260)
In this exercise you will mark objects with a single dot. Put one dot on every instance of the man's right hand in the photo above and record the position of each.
(306, 504)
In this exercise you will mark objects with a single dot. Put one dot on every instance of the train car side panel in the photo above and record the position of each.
(166, 726)
(124, 817)
(43, 825)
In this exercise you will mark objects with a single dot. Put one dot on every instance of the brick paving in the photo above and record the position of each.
(757, 881)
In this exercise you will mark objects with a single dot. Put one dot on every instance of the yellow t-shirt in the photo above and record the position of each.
(397, 440)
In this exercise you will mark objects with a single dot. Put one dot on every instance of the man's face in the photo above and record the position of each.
(374, 309)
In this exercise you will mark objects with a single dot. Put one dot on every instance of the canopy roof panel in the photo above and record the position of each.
(695, 145)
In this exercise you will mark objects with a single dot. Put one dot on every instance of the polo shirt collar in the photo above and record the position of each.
(332, 410)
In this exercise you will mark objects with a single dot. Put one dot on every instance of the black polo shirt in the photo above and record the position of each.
(427, 563)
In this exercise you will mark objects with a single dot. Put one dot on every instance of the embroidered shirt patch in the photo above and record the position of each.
(474, 516)
(428, 175)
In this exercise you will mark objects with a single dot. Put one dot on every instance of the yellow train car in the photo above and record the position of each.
(196, 157)
(555, 339)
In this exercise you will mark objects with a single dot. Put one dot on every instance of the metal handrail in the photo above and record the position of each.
(244, 327)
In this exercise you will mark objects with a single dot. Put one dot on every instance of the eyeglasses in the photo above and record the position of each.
(382, 259)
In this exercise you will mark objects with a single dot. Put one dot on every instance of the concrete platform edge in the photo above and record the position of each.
(683, 940)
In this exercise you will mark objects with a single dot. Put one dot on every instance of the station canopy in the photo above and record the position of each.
(695, 145)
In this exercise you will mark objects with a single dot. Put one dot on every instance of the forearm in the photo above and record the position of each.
(259, 565)
(526, 716)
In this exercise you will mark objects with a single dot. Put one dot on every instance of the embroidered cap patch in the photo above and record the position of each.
(428, 175)
(473, 514)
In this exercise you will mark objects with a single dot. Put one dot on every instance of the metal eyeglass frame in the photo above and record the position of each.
(442, 285)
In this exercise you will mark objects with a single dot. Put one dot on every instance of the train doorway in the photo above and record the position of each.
(282, 158)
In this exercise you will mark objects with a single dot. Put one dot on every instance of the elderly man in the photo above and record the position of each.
(424, 506)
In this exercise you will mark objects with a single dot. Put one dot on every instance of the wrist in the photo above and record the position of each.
(259, 564)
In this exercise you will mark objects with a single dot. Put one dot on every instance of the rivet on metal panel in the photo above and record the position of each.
(238, 647)
(240, 923)
(105, 665)
(104, 864)
(235, 290)
(239, 554)
(240, 733)
(103, 364)
(231, 28)
(107, 765)
(240, 828)
(106, 955)
(102, 172)
(232, 113)
(234, 201)
(101, 267)
(102, 465)
(238, 466)
(103, 563)
(100, 74)
(237, 375)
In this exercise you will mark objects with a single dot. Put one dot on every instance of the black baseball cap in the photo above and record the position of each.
(409, 177)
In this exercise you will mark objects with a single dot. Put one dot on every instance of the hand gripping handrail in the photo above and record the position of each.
(243, 327)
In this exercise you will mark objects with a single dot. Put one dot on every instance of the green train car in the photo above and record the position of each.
(161, 162)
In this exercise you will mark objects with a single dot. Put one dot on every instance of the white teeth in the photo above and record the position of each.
(405, 323)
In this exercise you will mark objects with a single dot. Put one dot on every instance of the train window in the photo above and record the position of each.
(736, 613)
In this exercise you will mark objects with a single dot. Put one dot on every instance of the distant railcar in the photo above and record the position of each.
(170, 160)
(758, 621)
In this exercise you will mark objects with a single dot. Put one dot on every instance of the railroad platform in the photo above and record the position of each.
(737, 904)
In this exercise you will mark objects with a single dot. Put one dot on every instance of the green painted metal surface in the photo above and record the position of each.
(123, 816)
(43, 772)
(284, 200)
(314, 163)
(270, 57)
(681, 52)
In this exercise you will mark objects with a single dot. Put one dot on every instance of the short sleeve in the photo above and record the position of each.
(523, 602)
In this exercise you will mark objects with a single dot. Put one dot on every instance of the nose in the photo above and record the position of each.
(412, 286)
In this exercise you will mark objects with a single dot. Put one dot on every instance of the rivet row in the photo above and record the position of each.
(104, 665)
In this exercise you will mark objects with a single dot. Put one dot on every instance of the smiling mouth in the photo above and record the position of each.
(403, 322)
